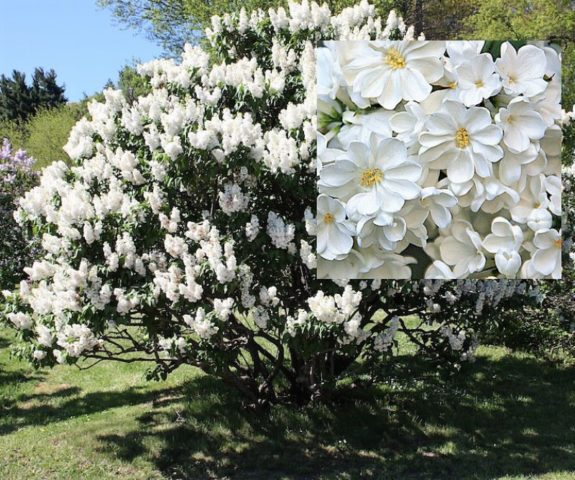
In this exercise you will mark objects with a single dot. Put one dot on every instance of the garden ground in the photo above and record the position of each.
(508, 416)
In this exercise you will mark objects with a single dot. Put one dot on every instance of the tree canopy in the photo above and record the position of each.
(172, 23)
(19, 101)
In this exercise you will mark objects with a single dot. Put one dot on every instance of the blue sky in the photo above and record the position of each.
(80, 41)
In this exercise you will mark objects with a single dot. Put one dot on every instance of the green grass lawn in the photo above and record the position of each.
(509, 416)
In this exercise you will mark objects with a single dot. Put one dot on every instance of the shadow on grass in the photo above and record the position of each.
(4, 343)
(25, 400)
(67, 402)
(503, 417)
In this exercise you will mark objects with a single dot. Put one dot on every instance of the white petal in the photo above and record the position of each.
(516, 139)
(461, 168)
(545, 261)
(340, 243)
(415, 86)
(490, 135)
(508, 263)
(402, 188)
(407, 171)
(441, 215)
(338, 173)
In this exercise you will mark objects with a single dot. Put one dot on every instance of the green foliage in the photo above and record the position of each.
(44, 135)
(20, 101)
(48, 132)
(523, 20)
(16, 132)
(132, 84)
(544, 332)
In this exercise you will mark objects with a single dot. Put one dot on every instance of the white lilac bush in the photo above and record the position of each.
(184, 231)
(438, 161)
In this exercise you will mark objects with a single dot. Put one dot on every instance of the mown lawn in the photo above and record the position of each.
(509, 416)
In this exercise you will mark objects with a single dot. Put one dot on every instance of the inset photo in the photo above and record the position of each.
(439, 160)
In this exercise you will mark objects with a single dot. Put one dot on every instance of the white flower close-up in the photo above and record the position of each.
(438, 159)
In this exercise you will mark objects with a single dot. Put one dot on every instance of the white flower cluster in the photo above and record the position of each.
(437, 160)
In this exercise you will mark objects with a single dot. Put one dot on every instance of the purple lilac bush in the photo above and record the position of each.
(16, 249)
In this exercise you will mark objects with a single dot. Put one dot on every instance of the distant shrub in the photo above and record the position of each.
(15, 133)
(45, 134)
(16, 177)
(48, 132)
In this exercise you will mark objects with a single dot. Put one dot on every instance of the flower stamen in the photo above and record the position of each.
(370, 177)
(558, 243)
(328, 218)
(394, 59)
(479, 84)
(462, 138)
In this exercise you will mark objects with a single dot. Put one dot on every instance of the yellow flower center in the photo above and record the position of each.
(479, 84)
(461, 138)
(452, 85)
(558, 243)
(512, 79)
(328, 218)
(370, 177)
(394, 59)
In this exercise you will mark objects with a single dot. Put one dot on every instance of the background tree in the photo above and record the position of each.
(172, 23)
(16, 133)
(16, 102)
(552, 20)
(48, 132)
(132, 84)
(46, 93)
(45, 133)
(20, 101)
(439, 19)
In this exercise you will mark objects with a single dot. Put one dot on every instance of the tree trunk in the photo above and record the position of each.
(418, 16)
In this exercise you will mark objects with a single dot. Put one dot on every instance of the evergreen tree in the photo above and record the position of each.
(20, 101)
(15, 97)
(45, 90)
